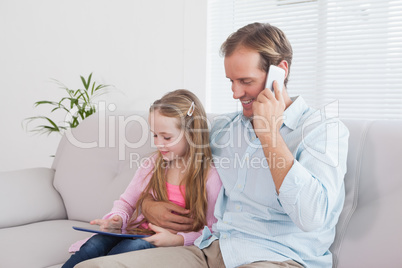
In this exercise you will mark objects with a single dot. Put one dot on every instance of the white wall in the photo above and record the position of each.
(143, 48)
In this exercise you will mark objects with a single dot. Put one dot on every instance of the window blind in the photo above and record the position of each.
(347, 54)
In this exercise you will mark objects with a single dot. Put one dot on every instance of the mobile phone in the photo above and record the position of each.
(275, 74)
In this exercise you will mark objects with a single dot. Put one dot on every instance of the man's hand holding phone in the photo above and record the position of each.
(269, 106)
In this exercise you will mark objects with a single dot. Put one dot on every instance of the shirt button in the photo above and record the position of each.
(238, 207)
(239, 186)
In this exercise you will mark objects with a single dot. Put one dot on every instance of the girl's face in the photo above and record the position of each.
(168, 138)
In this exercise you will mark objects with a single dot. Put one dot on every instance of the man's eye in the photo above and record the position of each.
(245, 82)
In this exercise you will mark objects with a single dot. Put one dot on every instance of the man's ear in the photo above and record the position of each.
(284, 65)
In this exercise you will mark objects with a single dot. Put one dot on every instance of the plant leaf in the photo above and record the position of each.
(100, 87)
(55, 109)
(89, 80)
(79, 101)
(52, 127)
(83, 81)
(86, 83)
(87, 99)
(51, 122)
(77, 92)
(36, 104)
(74, 123)
(93, 88)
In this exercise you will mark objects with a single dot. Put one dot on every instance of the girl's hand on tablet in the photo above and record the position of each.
(115, 222)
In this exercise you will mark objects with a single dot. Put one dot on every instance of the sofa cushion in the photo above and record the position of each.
(22, 203)
(40, 244)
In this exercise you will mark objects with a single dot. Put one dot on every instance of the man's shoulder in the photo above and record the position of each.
(323, 120)
(221, 118)
(220, 122)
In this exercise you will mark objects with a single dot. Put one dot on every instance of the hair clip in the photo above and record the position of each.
(191, 109)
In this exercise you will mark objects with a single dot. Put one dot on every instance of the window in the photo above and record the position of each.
(347, 53)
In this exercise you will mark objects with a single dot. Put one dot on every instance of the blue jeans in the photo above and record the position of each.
(102, 245)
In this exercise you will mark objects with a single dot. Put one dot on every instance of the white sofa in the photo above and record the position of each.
(94, 164)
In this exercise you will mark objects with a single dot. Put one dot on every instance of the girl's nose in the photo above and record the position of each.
(159, 144)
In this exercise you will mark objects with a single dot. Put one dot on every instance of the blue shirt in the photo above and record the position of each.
(257, 224)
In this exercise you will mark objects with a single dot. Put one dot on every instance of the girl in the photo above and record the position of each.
(181, 171)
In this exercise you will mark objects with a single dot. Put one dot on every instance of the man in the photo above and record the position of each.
(282, 166)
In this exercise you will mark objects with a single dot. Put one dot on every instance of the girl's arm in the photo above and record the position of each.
(125, 205)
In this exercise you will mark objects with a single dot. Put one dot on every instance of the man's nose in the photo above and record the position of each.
(237, 90)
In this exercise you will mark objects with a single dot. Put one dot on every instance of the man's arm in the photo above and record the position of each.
(310, 188)
(268, 117)
(312, 193)
(279, 158)
(167, 215)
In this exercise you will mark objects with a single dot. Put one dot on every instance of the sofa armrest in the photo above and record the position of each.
(28, 196)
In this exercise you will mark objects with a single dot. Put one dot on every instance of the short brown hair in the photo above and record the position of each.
(269, 41)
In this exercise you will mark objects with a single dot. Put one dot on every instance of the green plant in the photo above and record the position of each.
(77, 106)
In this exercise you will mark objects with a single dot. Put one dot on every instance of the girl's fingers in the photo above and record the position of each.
(95, 222)
(155, 228)
(117, 219)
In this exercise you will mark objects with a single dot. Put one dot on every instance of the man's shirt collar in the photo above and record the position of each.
(293, 114)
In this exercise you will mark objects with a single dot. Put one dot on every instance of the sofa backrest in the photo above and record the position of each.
(369, 228)
(96, 161)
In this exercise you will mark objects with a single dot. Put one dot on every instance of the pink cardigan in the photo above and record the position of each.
(124, 207)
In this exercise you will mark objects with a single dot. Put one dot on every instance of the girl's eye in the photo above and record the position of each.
(155, 135)
(167, 138)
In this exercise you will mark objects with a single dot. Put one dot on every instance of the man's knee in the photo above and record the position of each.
(172, 257)
(95, 263)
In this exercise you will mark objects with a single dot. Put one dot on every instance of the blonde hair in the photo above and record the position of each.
(269, 41)
(176, 104)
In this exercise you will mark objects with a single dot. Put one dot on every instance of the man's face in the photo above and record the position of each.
(247, 79)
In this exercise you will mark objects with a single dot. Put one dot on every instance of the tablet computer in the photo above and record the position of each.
(123, 233)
